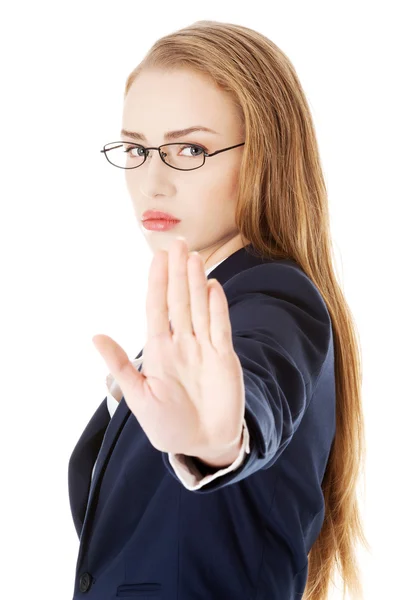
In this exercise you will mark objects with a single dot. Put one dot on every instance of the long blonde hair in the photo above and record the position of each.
(282, 210)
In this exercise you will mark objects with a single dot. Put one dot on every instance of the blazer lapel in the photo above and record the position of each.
(110, 438)
(81, 462)
(111, 435)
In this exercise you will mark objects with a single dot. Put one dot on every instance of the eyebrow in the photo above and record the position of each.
(169, 135)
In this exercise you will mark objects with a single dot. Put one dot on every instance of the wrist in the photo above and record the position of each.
(221, 458)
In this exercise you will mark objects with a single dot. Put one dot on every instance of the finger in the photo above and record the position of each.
(220, 323)
(124, 372)
(156, 300)
(199, 298)
(178, 296)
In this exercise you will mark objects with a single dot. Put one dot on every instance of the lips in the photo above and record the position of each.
(156, 214)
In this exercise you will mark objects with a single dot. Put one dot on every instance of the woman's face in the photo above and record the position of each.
(203, 199)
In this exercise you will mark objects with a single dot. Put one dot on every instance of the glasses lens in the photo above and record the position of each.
(124, 154)
(183, 156)
(129, 156)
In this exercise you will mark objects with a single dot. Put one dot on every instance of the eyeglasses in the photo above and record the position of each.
(126, 155)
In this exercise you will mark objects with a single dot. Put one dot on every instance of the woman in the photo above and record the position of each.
(229, 467)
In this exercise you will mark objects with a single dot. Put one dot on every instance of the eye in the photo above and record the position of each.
(197, 150)
(131, 148)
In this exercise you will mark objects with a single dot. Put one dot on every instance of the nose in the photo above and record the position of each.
(151, 151)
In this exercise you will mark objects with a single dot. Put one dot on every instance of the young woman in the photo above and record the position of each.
(226, 456)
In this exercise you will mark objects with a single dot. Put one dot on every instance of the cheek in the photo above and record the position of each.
(221, 181)
(214, 205)
(137, 192)
(227, 188)
(133, 182)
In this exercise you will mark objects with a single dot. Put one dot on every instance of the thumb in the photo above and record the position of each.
(124, 372)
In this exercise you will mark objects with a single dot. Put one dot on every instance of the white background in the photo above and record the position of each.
(74, 262)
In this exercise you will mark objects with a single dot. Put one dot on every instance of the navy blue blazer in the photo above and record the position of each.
(245, 535)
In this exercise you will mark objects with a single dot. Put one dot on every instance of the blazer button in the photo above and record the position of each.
(85, 582)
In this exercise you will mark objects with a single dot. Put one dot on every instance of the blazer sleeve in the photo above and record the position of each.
(193, 473)
(281, 332)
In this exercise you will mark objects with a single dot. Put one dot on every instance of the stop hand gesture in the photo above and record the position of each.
(189, 397)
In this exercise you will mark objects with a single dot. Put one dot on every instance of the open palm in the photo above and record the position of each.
(189, 397)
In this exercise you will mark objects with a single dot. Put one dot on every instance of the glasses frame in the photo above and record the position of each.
(205, 154)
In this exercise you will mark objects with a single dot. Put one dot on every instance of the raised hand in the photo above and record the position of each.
(189, 397)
